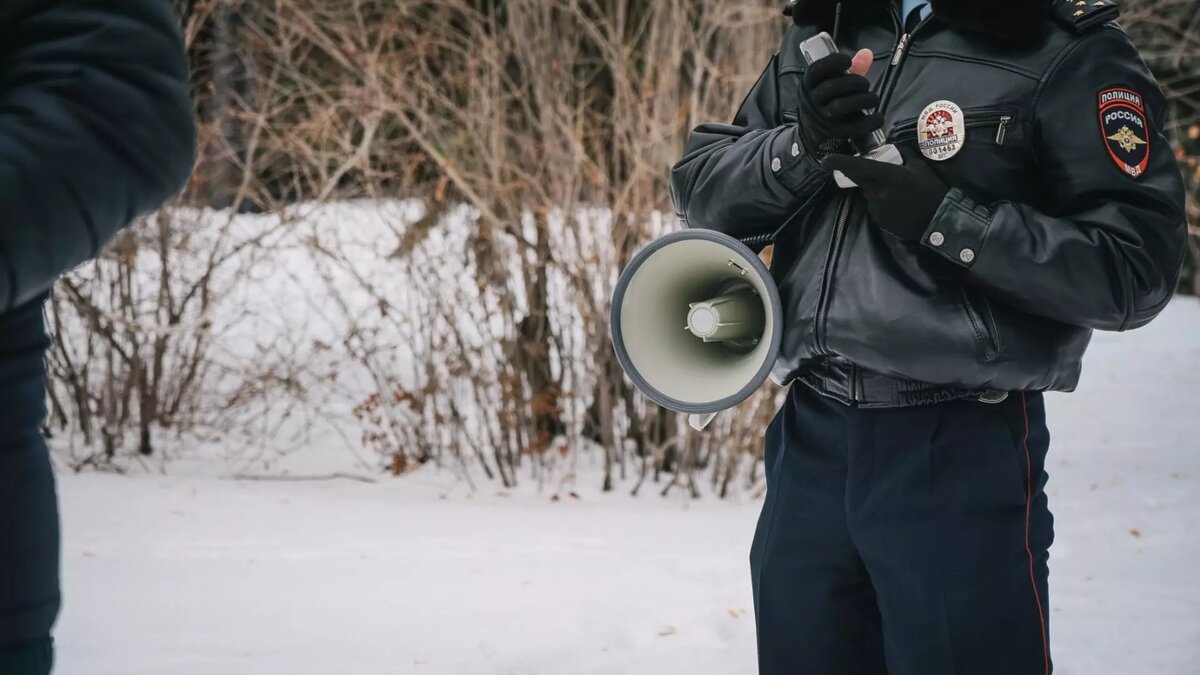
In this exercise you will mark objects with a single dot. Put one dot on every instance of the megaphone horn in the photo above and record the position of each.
(697, 323)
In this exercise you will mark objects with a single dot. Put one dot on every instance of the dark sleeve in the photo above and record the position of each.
(1109, 255)
(748, 177)
(95, 130)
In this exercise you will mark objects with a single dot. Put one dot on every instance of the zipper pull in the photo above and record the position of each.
(1002, 131)
(900, 46)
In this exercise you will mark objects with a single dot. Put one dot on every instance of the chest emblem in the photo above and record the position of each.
(941, 130)
(1125, 130)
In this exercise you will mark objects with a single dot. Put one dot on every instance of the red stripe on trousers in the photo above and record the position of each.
(1028, 507)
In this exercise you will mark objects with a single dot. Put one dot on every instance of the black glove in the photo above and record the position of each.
(901, 199)
(832, 102)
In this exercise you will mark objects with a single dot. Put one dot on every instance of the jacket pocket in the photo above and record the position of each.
(983, 323)
(1000, 118)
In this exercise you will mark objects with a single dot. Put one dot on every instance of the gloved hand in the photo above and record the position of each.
(833, 96)
(901, 199)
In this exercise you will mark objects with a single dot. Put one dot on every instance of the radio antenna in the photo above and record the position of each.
(837, 21)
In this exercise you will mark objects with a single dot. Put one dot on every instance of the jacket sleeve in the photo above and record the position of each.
(1109, 251)
(748, 177)
(95, 130)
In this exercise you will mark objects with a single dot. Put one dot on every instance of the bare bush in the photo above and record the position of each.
(468, 324)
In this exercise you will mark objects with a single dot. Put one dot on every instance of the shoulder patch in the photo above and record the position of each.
(1125, 131)
(1082, 16)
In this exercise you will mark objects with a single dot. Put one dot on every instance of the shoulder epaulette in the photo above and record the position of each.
(1081, 16)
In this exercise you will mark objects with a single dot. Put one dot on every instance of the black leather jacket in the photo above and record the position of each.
(95, 129)
(1052, 227)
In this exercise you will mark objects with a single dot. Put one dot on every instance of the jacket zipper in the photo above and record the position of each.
(1002, 130)
(824, 298)
(898, 56)
(1001, 118)
(984, 328)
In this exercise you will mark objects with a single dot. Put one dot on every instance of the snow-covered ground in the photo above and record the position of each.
(188, 574)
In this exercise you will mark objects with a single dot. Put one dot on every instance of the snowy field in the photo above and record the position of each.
(189, 574)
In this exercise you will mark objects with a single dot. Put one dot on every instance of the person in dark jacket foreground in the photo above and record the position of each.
(906, 529)
(95, 129)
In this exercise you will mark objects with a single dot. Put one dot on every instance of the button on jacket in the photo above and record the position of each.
(1065, 214)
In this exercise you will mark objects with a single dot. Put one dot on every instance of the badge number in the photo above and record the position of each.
(1125, 130)
(941, 130)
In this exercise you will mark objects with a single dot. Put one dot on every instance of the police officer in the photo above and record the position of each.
(906, 529)
(95, 128)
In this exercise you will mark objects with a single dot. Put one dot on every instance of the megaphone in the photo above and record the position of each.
(697, 323)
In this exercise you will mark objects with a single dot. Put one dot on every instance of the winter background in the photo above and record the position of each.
(350, 406)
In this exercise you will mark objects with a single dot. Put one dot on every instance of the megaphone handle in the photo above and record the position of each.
(698, 422)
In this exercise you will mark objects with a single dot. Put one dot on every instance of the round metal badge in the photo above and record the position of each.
(941, 130)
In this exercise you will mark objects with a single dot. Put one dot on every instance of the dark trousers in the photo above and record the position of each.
(29, 553)
(905, 541)
(31, 658)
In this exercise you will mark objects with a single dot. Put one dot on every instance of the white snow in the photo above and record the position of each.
(189, 574)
